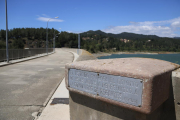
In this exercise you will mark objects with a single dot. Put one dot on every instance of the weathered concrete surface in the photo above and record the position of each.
(156, 76)
(176, 91)
(26, 87)
(88, 108)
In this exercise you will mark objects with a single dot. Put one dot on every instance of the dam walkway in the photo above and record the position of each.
(26, 87)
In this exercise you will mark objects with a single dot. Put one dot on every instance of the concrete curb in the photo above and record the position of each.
(49, 99)
(24, 59)
(53, 92)
(76, 56)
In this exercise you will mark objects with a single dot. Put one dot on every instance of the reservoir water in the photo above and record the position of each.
(175, 58)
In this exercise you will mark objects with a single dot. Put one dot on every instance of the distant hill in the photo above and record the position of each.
(95, 41)
(176, 37)
(124, 35)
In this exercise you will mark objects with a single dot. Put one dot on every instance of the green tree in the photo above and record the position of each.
(18, 44)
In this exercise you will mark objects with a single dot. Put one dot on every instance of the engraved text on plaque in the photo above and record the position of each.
(122, 89)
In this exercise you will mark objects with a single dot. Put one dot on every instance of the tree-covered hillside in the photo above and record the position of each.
(101, 41)
(92, 41)
(25, 37)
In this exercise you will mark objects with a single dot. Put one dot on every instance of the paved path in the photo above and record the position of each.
(26, 87)
(60, 111)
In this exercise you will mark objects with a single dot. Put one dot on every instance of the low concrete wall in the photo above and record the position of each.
(88, 108)
(176, 91)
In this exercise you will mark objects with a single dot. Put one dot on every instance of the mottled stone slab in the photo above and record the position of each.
(152, 75)
(121, 89)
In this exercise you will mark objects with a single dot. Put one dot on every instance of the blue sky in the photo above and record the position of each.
(154, 17)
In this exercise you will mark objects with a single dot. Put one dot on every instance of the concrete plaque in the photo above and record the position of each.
(122, 89)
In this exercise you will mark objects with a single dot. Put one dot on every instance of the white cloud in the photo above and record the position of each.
(69, 31)
(76, 32)
(165, 28)
(60, 28)
(176, 24)
(45, 18)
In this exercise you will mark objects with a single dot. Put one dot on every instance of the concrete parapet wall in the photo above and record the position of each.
(86, 108)
(158, 91)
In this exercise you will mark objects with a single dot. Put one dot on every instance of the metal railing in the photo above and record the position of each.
(22, 53)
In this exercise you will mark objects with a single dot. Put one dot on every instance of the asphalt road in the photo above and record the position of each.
(26, 87)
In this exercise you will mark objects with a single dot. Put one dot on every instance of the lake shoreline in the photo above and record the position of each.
(100, 54)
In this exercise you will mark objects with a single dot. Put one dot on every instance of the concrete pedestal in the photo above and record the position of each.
(97, 103)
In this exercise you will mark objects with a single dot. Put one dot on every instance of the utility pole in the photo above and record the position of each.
(79, 43)
(54, 41)
(7, 52)
(47, 35)
(47, 38)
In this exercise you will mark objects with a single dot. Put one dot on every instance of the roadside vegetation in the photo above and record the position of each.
(93, 41)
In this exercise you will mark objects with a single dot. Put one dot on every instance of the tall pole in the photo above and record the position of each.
(54, 41)
(7, 52)
(47, 37)
(78, 42)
